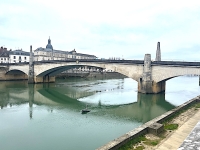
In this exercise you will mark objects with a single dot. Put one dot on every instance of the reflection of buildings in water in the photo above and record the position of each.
(4, 99)
(10, 95)
(19, 92)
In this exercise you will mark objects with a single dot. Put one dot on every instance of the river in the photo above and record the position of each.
(47, 116)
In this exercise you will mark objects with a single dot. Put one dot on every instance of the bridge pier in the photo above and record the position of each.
(31, 67)
(45, 79)
(146, 84)
(31, 76)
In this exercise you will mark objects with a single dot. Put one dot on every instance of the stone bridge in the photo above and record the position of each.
(150, 75)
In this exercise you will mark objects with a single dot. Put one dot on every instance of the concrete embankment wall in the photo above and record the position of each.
(143, 129)
(107, 75)
(92, 75)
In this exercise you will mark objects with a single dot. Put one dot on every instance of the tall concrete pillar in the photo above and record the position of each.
(158, 53)
(199, 80)
(146, 84)
(31, 67)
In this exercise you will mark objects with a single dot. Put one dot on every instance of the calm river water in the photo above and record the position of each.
(47, 116)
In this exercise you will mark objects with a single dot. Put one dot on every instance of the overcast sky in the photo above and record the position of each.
(105, 28)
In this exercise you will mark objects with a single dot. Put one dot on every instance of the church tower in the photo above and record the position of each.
(49, 46)
(158, 53)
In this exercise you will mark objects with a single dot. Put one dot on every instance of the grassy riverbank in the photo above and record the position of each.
(150, 141)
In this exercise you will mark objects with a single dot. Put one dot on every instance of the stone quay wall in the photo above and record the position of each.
(144, 129)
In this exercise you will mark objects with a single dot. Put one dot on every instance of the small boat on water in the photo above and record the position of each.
(84, 111)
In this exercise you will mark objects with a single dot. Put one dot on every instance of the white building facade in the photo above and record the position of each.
(18, 56)
(48, 53)
(40, 54)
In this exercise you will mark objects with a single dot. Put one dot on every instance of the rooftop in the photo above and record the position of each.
(19, 52)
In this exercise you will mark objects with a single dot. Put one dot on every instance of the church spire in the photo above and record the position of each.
(49, 40)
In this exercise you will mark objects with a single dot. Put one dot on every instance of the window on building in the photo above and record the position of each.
(14, 57)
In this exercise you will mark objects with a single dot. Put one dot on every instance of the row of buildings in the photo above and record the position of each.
(40, 54)
(16, 56)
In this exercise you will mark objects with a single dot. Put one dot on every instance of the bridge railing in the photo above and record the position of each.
(92, 60)
(180, 63)
(7, 64)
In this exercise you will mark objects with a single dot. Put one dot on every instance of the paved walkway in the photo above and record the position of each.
(174, 141)
(193, 140)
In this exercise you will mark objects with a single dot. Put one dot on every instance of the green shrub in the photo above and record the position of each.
(170, 126)
(197, 105)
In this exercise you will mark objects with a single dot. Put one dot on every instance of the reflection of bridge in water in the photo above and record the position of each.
(146, 108)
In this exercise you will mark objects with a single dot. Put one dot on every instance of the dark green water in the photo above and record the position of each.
(47, 116)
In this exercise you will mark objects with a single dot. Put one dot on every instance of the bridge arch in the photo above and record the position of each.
(16, 74)
(57, 70)
(15, 71)
(162, 73)
(50, 70)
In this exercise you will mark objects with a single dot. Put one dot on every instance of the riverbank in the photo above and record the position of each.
(186, 122)
(172, 138)
(140, 138)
